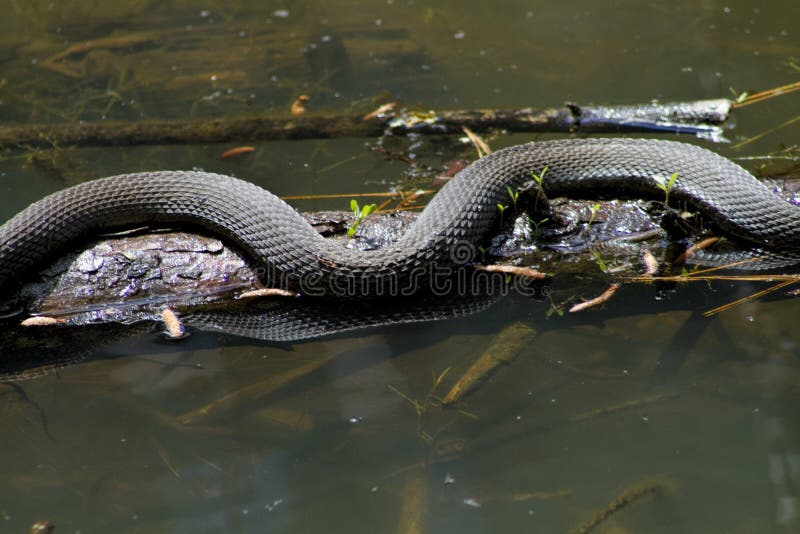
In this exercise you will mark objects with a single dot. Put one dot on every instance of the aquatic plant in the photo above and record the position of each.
(514, 195)
(501, 208)
(536, 226)
(359, 213)
(666, 185)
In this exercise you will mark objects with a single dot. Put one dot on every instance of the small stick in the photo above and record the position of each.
(603, 297)
(236, 151)
(480, 145)
(414, 508)
(758, 136)
(268, 292)
(623, 500)
(769, 93)
(527, 272)
(614, 408)
(700, 245)
(380, 111)
(42, 320)
(248, 395)
(525, 497)
(501, 351)
(748, 298)
(162, 453)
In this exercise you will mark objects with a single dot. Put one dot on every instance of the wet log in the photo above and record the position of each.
(699, 118)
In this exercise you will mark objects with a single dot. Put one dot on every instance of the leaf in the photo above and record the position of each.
(367, 209)
(672, 180)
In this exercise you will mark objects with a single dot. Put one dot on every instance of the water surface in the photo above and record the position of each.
(643, 391)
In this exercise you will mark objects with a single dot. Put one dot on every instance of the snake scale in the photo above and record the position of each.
(457, 219)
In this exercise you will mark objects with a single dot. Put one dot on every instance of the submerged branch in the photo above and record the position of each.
(699, 117)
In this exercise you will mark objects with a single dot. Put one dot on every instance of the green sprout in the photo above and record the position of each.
(536, 226)
(737, 96)
(594, 209)
(359, 213)
(539, 178)
(666, 185)
(599, 260)
(554, 309)
(514, 196)
(501, 208)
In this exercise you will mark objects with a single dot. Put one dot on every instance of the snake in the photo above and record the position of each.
(448, 232)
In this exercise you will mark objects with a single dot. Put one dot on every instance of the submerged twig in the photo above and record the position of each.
(505, 346)
(249, 394)
(625, 405)
(162, 453)
(414, 507)
(600, 299)
(623, 500)
(688, 117)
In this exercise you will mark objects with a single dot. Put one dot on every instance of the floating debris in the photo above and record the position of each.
(298, 106)
(175, 329)
(42, 320)
(602, 298)
(237, 151)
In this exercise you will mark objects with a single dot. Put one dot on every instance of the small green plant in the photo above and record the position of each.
(514, 196)
(360, 213)
(666, 185)
(501, 208)
(737, 96)
(483, 251)
(554, 309)
(536, 226)
(539, 178)
(599, 260)
(594, 209)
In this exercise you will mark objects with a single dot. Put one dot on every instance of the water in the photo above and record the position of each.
(644, 391)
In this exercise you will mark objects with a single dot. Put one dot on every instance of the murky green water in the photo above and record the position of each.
(643, 392)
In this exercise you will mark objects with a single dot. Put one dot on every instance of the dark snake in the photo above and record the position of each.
(447, 233)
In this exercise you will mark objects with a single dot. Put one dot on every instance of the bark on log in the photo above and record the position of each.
(133, 276)
(699, 118)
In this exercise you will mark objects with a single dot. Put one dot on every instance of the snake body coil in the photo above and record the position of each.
(460, 215)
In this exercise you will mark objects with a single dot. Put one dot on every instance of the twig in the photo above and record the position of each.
(748, 298)
(526, 272)
(691, 251)
(769, 93)
(480, 145)
(414, 508)
(600, 299)
(766, 132)
(501, 351)
(623, 500)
